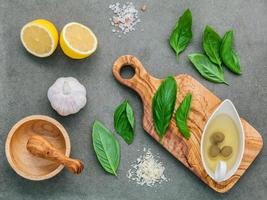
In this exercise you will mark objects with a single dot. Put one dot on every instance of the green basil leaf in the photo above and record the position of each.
(124, 121)
(182, 33)
(212, 44)
(182, 115)
(106, 147)
(163, 103)
(228, 54)
(130, 114)
(206, 68)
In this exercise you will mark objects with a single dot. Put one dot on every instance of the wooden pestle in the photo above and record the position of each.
(40, 147)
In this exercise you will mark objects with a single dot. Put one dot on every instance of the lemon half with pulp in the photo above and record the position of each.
(39, 37)
(77, 41)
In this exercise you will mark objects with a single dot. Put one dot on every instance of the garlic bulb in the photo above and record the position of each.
(67, 96)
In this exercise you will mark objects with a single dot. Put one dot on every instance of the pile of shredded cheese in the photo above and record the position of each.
(147, 170)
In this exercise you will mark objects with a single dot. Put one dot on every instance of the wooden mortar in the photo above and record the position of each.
(22, 161)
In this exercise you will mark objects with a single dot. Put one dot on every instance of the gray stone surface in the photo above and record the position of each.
(24, 81)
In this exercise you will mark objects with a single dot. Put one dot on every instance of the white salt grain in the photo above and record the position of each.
(146, 170)
(125, 17)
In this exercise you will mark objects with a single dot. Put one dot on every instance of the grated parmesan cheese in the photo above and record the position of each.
(146, 170)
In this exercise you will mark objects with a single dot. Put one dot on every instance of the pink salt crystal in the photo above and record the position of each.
(116, 20)
(125, 17)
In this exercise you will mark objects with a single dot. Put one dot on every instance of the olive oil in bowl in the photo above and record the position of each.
(224, 125)
(222, 142)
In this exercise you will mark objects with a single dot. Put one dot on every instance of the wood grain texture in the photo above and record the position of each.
(22, 161)
(204, 103)
(40, 147)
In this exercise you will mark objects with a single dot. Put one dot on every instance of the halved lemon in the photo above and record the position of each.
(39, 37)
(77, 41)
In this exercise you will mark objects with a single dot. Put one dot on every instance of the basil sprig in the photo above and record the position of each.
(228, 54)
(182, 115)
(124, 121)
(182, 33)
(219, 51)
(212, 44)
(206, 68)
(163, 103)
(106, 147)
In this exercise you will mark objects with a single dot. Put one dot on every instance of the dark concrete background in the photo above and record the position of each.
(24, 80)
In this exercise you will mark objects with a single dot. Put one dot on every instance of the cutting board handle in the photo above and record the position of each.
(139, 81)
(130, 61)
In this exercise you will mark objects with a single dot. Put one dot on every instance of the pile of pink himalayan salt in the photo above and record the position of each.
(124, 18)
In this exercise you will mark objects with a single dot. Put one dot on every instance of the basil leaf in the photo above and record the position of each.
(212, 44)
(106, 147)
(124, 121)
(206, 68)
(228, 54)
(182, 115)
(163, 103)
(130, 114)
(182, 33)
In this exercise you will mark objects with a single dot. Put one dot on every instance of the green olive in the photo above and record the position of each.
(226, 151)
(214, 150)
(217, 137)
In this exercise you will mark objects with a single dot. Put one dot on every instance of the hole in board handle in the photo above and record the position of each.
(127, 72)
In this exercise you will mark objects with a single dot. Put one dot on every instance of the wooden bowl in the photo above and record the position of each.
(22, 161)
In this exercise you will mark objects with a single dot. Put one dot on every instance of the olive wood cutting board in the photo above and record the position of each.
(203, 104)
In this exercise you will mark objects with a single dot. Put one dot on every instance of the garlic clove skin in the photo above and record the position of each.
(67, 96)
